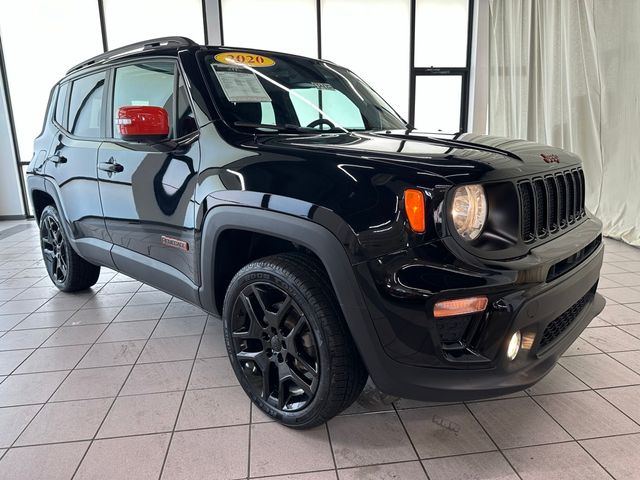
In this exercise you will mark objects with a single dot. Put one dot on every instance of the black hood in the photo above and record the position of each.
(460, 158)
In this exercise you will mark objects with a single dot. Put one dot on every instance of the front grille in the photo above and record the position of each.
(564, 321)
(551, 203)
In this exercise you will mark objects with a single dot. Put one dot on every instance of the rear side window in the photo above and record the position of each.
(145, 84)
(85, 106)
(61, 103)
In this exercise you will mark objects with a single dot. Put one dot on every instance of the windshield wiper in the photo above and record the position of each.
(278, 128)
(287, 127)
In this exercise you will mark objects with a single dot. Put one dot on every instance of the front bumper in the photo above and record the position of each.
(425, 369)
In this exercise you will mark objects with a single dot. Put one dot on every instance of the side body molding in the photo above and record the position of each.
(316, 238)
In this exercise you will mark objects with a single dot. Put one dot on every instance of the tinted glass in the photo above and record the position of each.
(334, 103)
(85, 108)
(295, 94)
(145, 84)
(60, 103)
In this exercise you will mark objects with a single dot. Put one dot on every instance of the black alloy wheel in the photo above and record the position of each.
(288, 342)
(275, 346)
(54, 250)
(67, 270)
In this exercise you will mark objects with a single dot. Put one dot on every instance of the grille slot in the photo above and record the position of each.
(550, 204)
(552, 190)
(526, 202)
(541, 207)
(564, 321)
(571, 197)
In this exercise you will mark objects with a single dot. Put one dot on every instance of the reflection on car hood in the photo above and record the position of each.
(460, 157)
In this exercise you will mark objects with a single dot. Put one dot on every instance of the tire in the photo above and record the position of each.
(67, 270)
(288, 343)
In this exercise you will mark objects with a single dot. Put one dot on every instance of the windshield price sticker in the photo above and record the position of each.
(244, 58)
(240, 85)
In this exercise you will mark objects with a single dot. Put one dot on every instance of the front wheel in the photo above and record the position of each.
(288, 343)
(67, 270)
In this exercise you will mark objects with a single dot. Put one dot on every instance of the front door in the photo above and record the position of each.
(147, 187)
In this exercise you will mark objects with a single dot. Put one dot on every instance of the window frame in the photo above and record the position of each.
(65, 116)
(463, 72)
(178, 73)
(67, 106)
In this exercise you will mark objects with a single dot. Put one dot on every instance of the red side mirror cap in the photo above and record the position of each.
(143, 123)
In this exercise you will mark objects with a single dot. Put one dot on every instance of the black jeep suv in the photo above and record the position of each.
(335, 241)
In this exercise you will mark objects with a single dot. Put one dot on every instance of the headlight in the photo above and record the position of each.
(469, 211)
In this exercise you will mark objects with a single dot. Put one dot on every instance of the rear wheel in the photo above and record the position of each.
(288, 343)
(67, 270)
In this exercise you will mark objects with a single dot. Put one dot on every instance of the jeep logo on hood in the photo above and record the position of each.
(550, 158)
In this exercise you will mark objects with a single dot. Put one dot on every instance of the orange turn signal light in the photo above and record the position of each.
(414, 209)
(460, 306)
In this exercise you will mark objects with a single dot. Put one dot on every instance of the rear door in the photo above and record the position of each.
(147, 187)
(71, 163)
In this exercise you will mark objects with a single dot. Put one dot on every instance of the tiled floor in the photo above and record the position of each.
(124, 381)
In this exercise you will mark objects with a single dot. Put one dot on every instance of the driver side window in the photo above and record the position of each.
(144, 84)
(337, 106)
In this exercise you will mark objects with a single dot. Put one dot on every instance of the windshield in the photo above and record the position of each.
(278, 93)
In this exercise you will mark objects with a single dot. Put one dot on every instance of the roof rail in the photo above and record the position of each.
(135, 48)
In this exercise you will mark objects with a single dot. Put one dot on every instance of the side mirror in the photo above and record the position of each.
(142, 124)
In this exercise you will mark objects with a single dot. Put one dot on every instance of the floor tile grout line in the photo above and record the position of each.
(113, 402)
(495, 444)
(184, 394)
(333, 454)
(164, 432)
(618, 409)
(601, 352)
(568, 433)
(406, 432)
(223, 426)
(102, 343)
(628, 333)
(613, 358)
(277, 475)
(51, 396)
(53, 333)
(75, 368)
(249, 440)
(125, 395)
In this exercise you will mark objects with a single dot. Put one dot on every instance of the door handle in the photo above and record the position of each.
(111, 166)
(57, 159)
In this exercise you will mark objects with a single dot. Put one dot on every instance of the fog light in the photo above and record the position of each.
(514, 346)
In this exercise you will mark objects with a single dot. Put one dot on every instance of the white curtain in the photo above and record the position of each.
(567, 73)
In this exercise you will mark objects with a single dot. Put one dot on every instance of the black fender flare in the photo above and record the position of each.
(93, 250)
(317, 239)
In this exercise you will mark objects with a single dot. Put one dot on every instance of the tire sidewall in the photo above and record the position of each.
(51, 211)
(258, 273)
